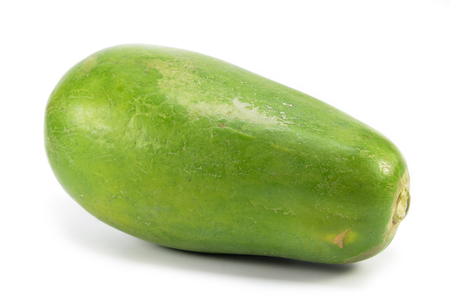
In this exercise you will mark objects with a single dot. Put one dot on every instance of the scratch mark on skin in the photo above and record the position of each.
(142, 170)
(80, 94)
(284, 211)
(98, 156)
(109, 99)
(339, 240)
(281, 148)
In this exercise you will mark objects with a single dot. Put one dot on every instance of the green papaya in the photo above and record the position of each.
(190, 152)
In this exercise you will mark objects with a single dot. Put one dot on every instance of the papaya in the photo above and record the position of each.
(193, 153)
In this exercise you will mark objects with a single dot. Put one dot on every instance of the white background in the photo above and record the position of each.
(387, 63)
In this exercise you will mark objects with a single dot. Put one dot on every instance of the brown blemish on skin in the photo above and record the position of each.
(339, 240)
(392, 226)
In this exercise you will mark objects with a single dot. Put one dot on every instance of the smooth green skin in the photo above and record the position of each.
(191, 152)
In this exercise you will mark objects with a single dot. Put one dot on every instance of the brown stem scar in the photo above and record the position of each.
(339, 240)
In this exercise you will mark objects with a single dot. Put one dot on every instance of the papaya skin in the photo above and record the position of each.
(190, 152)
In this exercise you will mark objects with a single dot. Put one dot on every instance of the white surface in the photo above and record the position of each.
(386, 63)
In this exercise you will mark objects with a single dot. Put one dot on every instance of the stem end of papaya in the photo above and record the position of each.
(402, 206)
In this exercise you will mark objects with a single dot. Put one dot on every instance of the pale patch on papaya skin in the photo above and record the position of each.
(178, 74)
(339, 240)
